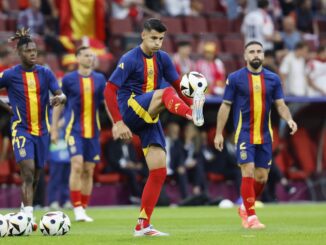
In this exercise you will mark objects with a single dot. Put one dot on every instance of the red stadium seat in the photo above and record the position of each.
(174, 25)
(2, 23)
(168, 45)
(233, 44)
(218, 25)
(4, 172)
(11, 23)
(209, 6)
(120, 26)
(195, 25)
(214, 177)
(229, 62)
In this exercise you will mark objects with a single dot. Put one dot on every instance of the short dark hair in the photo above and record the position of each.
(300, 45)
(183, 43)
(321, 49)
(23, 37)
(252, 43)
(81, 48)
(154, 24)
(262, 4)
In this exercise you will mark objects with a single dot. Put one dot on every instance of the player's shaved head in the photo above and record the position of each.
(154, 24)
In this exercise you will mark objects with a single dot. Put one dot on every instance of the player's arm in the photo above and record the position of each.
(284, 113)
(172, 76)
(6, 107)
(222, 118)
(224, 112)
(58, 96)
(118, 77)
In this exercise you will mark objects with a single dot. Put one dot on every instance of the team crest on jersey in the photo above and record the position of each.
(22, 152)
(121, 65)
(257, 87)
(243, 155)
(150, 72)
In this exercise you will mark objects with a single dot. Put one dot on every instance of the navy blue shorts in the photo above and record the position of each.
(88, 148)
(261, 154)
(141, 123)
(27, 146)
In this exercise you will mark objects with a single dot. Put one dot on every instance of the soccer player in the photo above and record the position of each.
(28, 88)
(252, 90)
(134, 101)
(84, 89)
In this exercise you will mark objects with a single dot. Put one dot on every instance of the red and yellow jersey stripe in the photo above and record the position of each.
(33, 102)
(150, 74)
(257, 108)
(87, 115)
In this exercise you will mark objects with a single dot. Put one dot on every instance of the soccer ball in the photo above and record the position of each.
(66, 225)
(19, 224)
(51, 223)
(192, 81)
(3, 226)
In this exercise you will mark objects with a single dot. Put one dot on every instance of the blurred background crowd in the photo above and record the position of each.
(203, 35)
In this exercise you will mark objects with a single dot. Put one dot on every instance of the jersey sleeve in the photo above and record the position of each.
(53, 82)
(122, 71)
(278, 91)
(4, 79)
(102, 87)
(169, 71)
(64, 85)
(229, 92)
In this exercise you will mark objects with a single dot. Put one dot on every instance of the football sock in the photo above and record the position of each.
(174, 104)
(150, 196)
(75, 197)
(259, 187)
(84, 200)
(248, 194)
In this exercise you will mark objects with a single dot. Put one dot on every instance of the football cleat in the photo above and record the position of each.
(197, 110)
(255, 224)
(81, 216)
(149, 231)
(243, 215)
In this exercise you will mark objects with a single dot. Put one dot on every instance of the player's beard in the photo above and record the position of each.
(255, 63)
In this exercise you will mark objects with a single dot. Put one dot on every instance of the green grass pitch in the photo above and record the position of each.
(286, 224)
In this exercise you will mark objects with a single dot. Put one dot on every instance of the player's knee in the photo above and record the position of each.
(28, 179)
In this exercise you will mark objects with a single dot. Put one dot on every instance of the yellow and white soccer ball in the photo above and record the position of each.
(191, 82)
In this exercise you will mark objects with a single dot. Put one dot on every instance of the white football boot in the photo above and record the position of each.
(197, 107)
(149, 231)
(80, 215)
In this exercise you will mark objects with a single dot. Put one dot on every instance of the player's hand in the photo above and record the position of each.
(293, 126)
(219, 142)
(54, 136)
(121, 131)
(57, 100)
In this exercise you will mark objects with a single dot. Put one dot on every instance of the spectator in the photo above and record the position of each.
(316, 72)
(178, 8)
(212, 68)
(122, 158)
(59, 169)
(290, 35)
(258, 25)
(292, 71)
(270, 61)
(32, 18)
(304, 17)
(182, 59)
(175, 158)
(194, 162)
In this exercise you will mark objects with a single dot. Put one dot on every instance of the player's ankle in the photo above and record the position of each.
(141, 224)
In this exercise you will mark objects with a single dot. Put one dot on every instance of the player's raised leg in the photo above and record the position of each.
(156, 162)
